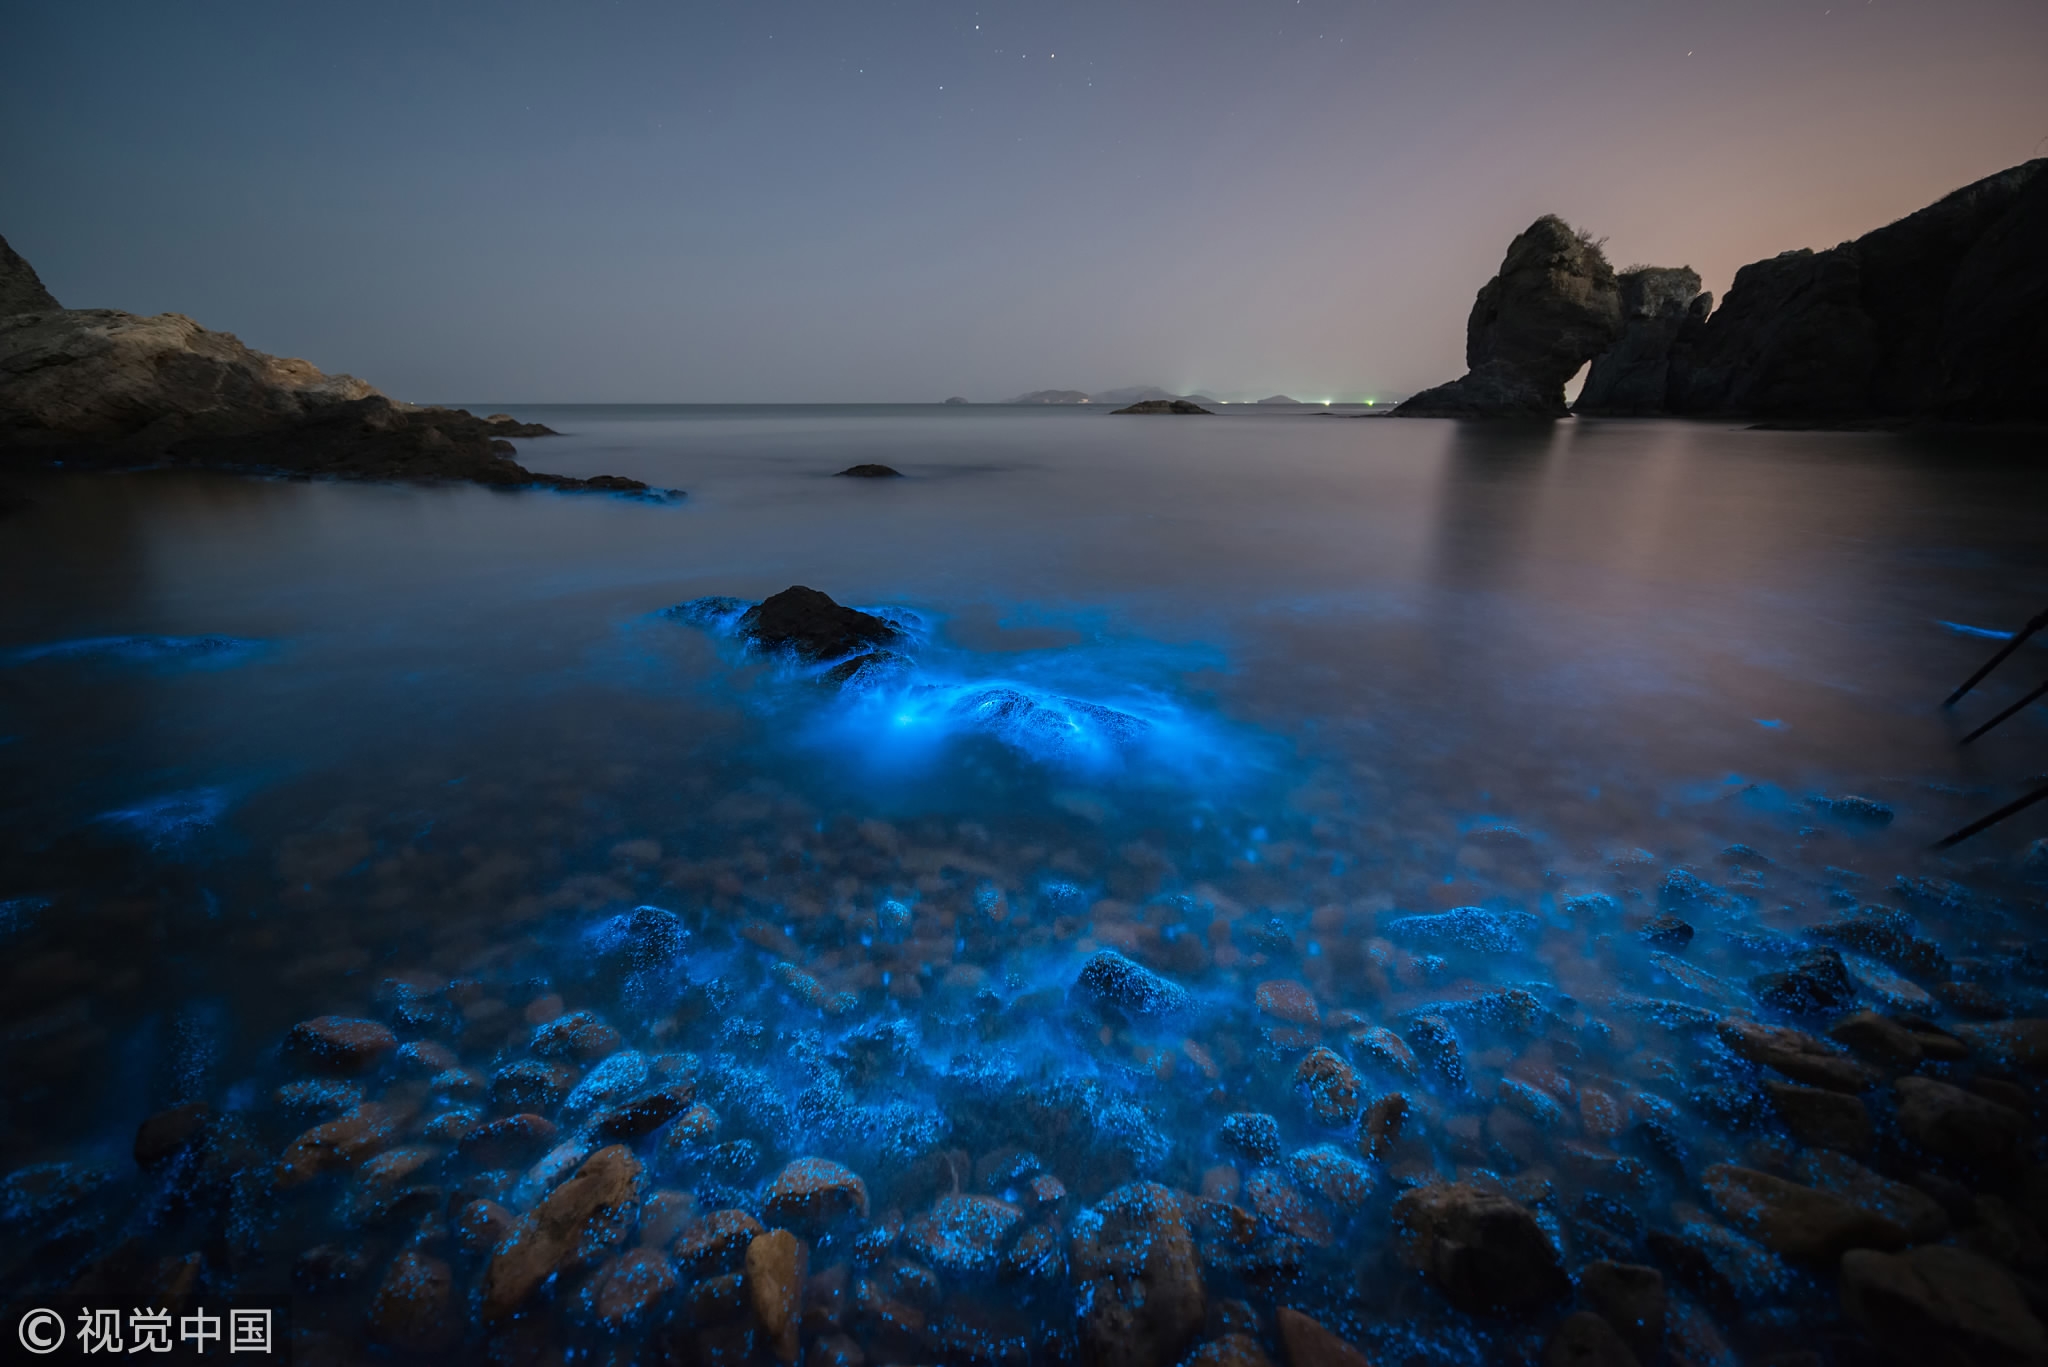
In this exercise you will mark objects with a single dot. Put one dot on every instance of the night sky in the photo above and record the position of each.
(900, 201)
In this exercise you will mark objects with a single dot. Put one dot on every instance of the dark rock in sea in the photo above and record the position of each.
(811, 625)
(1486, 1252)
(1937, 315)
(1821, 1118)
(1586, 1340)
(1798, 1055)
(1163, 406)
(1959, 1126)
(1330, 1086)
(1139, 1279)
(338, 1044)
(875, 668)
(1252, 1135)
(1867, 810)
(1936, 1304)
(1632, 377)
(1468, 928)
(99, 387)
(1802, 1222)
(21, 289)
(1309, 1344)
(871, 471)
(1817, 982)
(171, 1132)
(1114, 980)
(1887, 935)
(1631, 1298)
(1666, 932)
(1554, 306)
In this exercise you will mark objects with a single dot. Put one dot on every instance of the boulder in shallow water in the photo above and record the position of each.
(1139, 1278)
(1936, 1306)
(1794, 1220)
(1113, 980)
(1309, 1344)
(1631, 1298)
(339, 1044)
(1817, 982)
(816, 1193)
(812, 626)
(586, 1215)
(777, 1264)
(1958, 1125)
(1798, 1055)
(415, 1308)
(1486, 1252)
(1586, 1340)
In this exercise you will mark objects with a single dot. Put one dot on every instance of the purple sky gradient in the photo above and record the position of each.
(881, 201)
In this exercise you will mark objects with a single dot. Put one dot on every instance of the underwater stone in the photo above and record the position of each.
(1631, 1298)
(1957, 1125)
(1586, 1340)
(1726, 1267)
(1798, 1055)
(1919, 1214)
(875, 668)
(1936, 1304)
(2012, 1044)
(815, 1193)
(414, 1308)
(1308, 1344)
(481, 1225)
(581, 1036)
(1879, 1038)
(1473, 929)
(1867, 810)
(617, 1077)
(1436, 1045)
(626, 1289)
(337, 1144)
(1286, 1000)
(1817, 982)
(777, 1264)
(587, 1214)
(1486, 1252)
(1821, 1118)
(1338, 1181)
(169, 1133)
(1666, 932)
(1797, 1221)
(1140, 1283)
(1331, 1086)
(1888, 936)
(1116, 981)
(1382, 1048)
(1231, 1350)
(643, 1115)
(509, 1141)
(339, 1044)
(1252, 1135)
(716, 1243)
(962, 1234)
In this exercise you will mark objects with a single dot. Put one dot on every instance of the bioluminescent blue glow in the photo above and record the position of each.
(173, 820)
(196, 651)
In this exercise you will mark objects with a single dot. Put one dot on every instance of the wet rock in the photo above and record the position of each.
(1140, 1282)
(1332, 1179)
(1878, 1038)
(1381, 1048)
(715, 1243)
(1964, 1128)
(1330, 1086)
(1436, 1048)
(587, 1214)
(1305, 1343)
(643, 1115)
(323, 1099)
(1473, 929)
(816, 1194)
(1820, 1118)
(384, 1187)
(579, 1036)
(336, 1145)
(170, 1133)
(1915, 1211)
(1232, 1350)
(1288, 1002)
(531, 1084)
(1887, 935)
(963, 1234)
(415, 1306)
(326, 1268)
(1800, 1056)
(835, 1350)
(869, 472)
(424, 1058)
(777, 1264)
(1666, 932)
(610, 1082)
(2011, 1044)
(1252, 1136)
(1940, 1305)
(628, 1290)
(511, 1141)
(1554, 306)
(1383, 1126)
(1973, 1000)
(1660, 305)
(1797, 1221)
(1486, 1252)
(1817, 982)
(1631, 1298)
(481, 1225)
(339, 1044)
(1586, 1340)
(809, 624)
(1113, 980)
(1280, 1205)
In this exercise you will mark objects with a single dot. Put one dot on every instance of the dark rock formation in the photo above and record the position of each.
(869, 472)
(1943, 314)
(1658, 304)
(21, 289)
(809, 623)
(1278, 398)
(956, 399)
(99, 387)
(1164, 406)
(1554, 306)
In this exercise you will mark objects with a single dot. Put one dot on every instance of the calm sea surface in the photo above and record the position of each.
(1232, 695)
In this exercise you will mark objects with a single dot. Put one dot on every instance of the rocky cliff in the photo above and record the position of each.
(99, 386)
(1941, 315)
(1633, 376)
(1554, 306)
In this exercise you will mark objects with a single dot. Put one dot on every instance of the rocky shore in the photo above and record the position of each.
(101, 388)
(1934, 318)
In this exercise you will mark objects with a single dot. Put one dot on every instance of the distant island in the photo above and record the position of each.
(956, 399)
(1279, 398)
(1181, 406)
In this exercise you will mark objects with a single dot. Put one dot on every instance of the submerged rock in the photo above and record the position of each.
(338, 1044)
(1140, 1280)
(777, 1264)
(815, 1193)
(1958, 1125)
(1309, 1344)
(1939, 1305)
(1486, 1252)
(587, 1214)
(809, 624)
(1817, 982)
(1797, 1221)
(1586, 1340)
(1798, 1055)
(1114, 980)
(1631, 1298)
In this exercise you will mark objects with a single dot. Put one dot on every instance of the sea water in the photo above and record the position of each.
(1236, 698)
